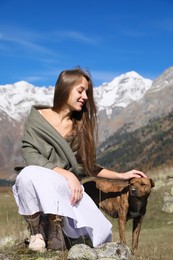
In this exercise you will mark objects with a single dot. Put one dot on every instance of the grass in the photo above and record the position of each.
(155, 241)
(10, 222)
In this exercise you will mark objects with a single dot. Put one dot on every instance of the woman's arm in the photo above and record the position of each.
(104, 173)
(32, 156)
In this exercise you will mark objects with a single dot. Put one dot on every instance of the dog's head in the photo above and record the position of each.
(140, 187)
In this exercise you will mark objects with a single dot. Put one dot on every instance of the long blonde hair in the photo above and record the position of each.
(84, 129)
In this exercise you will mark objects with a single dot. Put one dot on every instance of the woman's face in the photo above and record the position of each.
(78, 96)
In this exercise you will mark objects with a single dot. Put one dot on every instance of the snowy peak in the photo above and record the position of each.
(16, 99)
(121, 91)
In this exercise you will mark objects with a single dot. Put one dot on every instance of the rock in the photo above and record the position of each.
(167, 197)
(106, 251)
(168, 202)
(81, 252)
(158, 184)
(113, 250)
(3, 257)
(7, 240)
(168, 206)
(172, 191)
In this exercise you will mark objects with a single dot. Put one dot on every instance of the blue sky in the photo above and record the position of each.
(39, 38)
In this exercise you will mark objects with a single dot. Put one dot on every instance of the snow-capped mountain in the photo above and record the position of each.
(155, 103)
(16, 99)
(121, 91)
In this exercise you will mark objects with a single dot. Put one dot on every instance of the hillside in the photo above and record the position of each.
(145, 148)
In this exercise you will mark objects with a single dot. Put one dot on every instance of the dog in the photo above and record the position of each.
(123, 200)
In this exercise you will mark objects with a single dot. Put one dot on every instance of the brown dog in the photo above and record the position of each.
(123, 200)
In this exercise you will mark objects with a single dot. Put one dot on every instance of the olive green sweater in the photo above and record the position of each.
(42, 145)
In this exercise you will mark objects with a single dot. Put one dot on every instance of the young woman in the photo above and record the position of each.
(59, 148)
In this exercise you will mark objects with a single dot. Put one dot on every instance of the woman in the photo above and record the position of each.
(59, 149)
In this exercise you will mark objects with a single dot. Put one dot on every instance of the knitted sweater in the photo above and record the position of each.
(42, 145)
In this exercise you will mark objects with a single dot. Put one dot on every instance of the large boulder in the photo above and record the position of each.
(106, 251)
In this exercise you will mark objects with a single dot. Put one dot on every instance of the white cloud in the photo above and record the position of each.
(74, 35)
(26, 40)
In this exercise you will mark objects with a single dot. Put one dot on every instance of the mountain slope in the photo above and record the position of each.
(10, 136)
(145, 148)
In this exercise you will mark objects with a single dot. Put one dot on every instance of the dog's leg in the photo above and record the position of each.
(137, 222)
(122, 228)
(122, 217)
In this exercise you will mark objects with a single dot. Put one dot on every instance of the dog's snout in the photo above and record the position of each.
(133, 191)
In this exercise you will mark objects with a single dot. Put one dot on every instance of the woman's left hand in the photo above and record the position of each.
(133, 174)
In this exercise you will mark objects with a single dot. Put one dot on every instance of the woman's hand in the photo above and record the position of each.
(104, 173)
(133, 174)
(73, 183)
(75, 188)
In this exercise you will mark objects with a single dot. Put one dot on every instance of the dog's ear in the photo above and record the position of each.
(152, 183)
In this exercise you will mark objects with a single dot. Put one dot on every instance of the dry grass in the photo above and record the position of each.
(154, 243)
(156, 238)
(10, 221)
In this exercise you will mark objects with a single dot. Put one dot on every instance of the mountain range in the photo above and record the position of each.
(127, 103)
(156, 102)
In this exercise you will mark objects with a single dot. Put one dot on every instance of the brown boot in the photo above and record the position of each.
(56, 237)
(37, 242)
(34, 224)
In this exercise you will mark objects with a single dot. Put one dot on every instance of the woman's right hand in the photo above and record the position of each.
(73, 183)
(75, 188)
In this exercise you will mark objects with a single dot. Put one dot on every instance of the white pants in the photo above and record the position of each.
(39, 189)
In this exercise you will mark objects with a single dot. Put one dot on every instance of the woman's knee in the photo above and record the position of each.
(25, 175)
